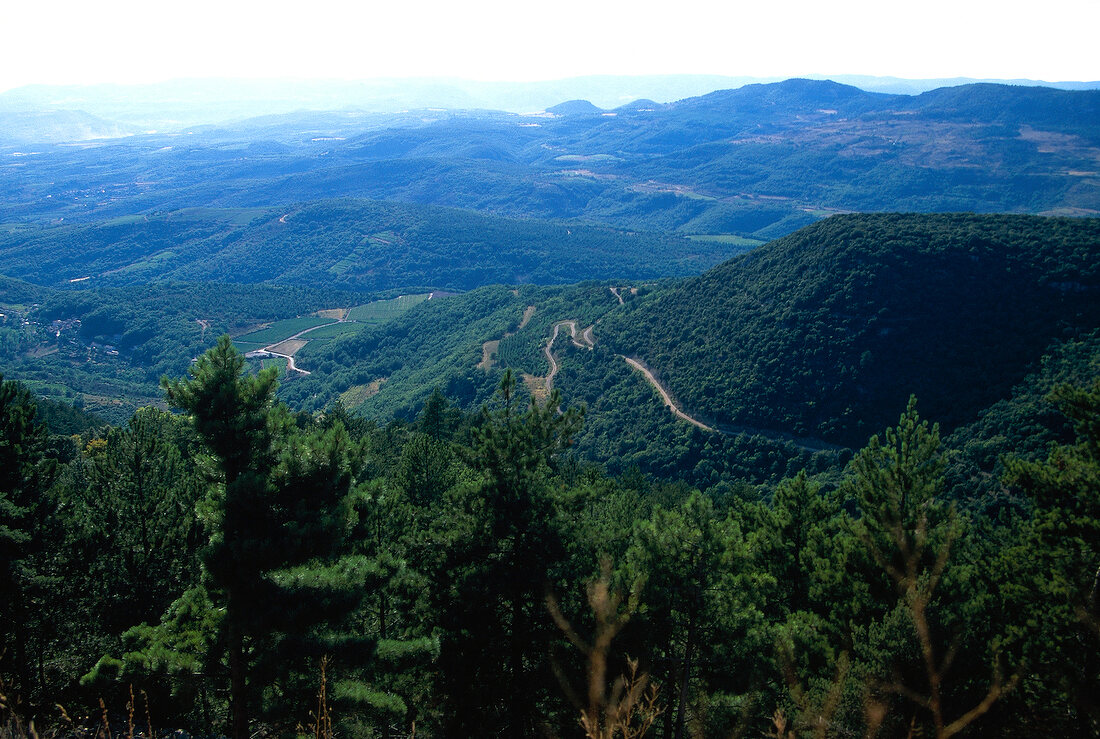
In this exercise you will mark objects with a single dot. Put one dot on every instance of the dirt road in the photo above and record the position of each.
(809, 444)
(641, 367)
(548, 350)
(489, 348)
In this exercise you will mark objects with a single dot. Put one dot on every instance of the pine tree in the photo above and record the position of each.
(912, 534)
(1063, 552)
(276, 512)
(230, 413)
(136, 524)
(700, 596)
(502, 547)
(24, 478)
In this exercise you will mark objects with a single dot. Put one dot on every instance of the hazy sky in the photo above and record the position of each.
(148, 40)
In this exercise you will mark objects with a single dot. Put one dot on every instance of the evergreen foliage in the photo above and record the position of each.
(1064, 538)
(354, 245)
(25, 475)
(420, 557)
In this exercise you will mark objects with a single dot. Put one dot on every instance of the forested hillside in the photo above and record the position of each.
(794, 352)
(826, 332)
(786, 357)
(106, 349)
(347, 244)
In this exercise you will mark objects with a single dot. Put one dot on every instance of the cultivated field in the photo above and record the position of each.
(383, 310)
(333, 330)
(280, 330)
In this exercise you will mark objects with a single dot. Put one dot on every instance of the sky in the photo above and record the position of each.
(129, 41)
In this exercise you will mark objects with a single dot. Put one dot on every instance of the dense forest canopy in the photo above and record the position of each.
(793, 353)
(346, 245)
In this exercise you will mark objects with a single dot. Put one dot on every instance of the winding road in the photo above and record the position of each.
(641, 367)
(587, 342)
(619, 295)
(806, 443)
(548, 350)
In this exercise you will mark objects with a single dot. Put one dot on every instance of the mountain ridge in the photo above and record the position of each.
(181, 103)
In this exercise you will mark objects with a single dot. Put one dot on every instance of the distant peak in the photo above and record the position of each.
(639, 106)
(575, 107)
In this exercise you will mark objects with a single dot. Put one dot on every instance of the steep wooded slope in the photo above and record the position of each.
(827, 331)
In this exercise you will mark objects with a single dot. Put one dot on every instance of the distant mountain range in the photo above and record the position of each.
(59, 126)
(179, 104)
(755, 162)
